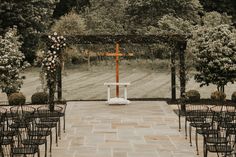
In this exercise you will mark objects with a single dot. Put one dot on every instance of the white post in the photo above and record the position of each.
(108, 93)
(125, 92)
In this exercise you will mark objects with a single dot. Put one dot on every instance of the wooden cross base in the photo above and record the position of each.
(117, 100)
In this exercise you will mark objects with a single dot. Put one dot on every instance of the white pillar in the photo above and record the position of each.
(125, 92)
(108, 92)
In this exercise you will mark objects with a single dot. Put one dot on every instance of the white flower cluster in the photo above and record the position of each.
(58, 42)
(49, 62)
(51, 57)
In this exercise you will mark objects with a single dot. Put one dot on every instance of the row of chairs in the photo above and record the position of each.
(217, 125)
(24, 128)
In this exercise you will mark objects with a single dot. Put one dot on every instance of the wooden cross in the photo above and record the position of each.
(117, 54)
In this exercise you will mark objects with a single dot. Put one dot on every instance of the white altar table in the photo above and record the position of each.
(117, 100)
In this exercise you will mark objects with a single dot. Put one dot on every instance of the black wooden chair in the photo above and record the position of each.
(22, 120)
(49, 119)
(62, 112)
(7, 136)
(196, 115)
(37, 135)
(220, 142)
(19, 148)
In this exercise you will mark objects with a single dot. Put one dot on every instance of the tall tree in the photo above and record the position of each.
(11, 62)
(142, 13)
(215, 51)
(105, 17)
(222, 6)
(65, 6)
(32, 17)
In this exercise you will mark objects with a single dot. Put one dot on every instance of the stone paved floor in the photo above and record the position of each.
(141, 129)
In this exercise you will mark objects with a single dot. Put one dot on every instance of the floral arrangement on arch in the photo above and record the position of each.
(51, 57)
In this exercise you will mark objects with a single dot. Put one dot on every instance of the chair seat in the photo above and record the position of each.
(219, 148)
(19, 125)
(10, 133)
(206, 131)
(54, 119)
(47, 125)
(200, 125)
(7, 141)
(216, 140)
(34, 141)
(25, 150)
(39, 133)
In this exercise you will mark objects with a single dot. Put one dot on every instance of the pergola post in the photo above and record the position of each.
(182, 73)
(173, 76)
(59, 78)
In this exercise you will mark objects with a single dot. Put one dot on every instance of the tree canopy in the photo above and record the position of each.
(11, 62)
(215, 51)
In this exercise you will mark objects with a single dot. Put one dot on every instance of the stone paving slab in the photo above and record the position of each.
(140, 129)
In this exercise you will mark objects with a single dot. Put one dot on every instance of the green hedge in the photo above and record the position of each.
(16, 99)
(218, 95)
(233, 97)
(39, 98)
(193, 96)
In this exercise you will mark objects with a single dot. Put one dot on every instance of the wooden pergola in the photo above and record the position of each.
(180, 42)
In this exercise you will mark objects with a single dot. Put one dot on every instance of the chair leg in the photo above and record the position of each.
(59, 129)
(64, 125)
(56, 136)
(179, 122)
(50, 149)
(186, 131)
(196, 140)
(190, 136)
(205, 152)
(1, 150)
(46, 149)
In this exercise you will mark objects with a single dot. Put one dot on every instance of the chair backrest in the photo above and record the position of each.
(22, 114)
(3, 112)
(44, 111)
(193, 110)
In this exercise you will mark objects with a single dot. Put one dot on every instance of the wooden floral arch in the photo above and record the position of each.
(180, 42)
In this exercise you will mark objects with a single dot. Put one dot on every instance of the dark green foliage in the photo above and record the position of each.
(16, 99)
(65, 6)
(31, 17)
(39, 98)
(217, 95)
(222, 6)
(233, 97)
(193, 95)
(146, 13)
(215, 55)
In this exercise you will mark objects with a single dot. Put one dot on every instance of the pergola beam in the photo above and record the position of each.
(136, 39)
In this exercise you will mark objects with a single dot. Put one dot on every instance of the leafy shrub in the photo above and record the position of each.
(218, 95)
(233, 97)
(39, 98)
(11, 62)
(193, 95)
(16, 99)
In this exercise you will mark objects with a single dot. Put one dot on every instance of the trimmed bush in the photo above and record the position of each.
(218, 95)
(39, 98)
(193, 95)
(16, 99)
(233, 97)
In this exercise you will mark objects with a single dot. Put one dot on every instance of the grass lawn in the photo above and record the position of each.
(148, 80)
